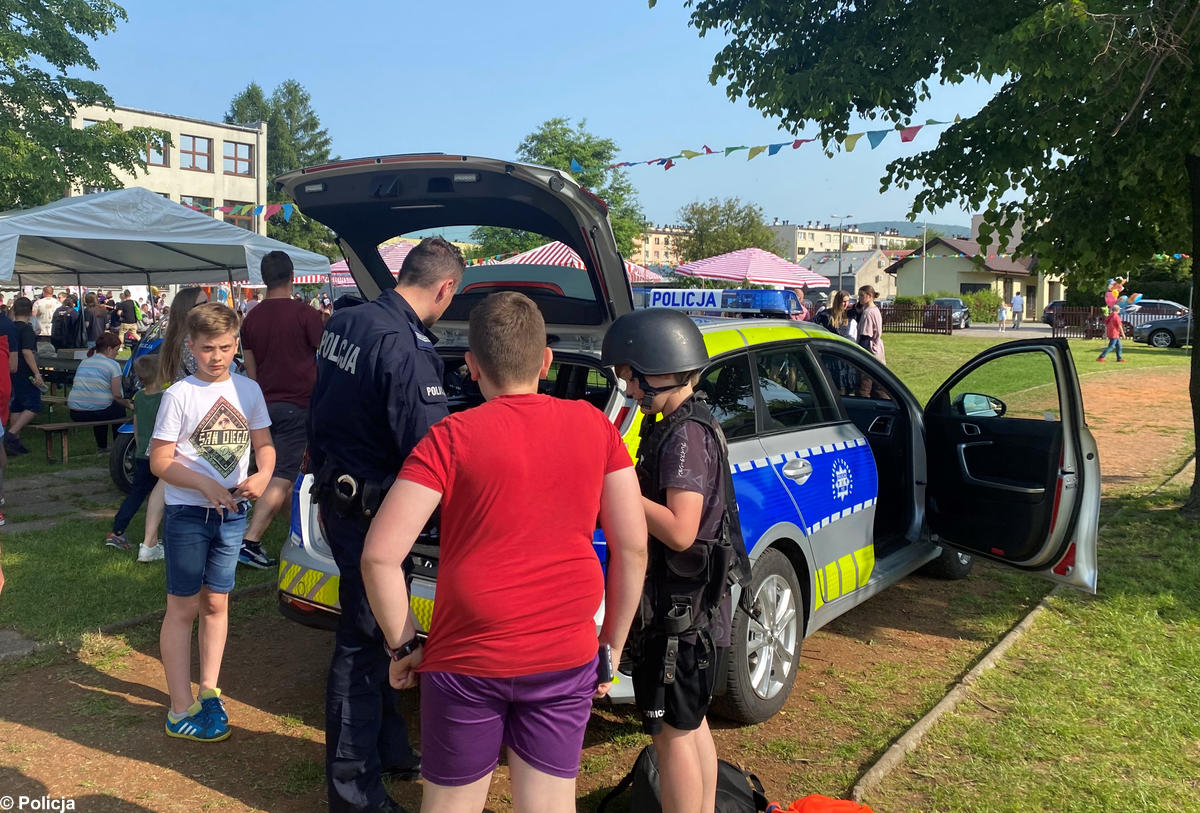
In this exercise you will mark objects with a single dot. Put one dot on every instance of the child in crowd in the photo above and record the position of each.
(510, 660)
(1114, 329)
(682, 461)
(1002, 315)
(206, 426)
(145, 410)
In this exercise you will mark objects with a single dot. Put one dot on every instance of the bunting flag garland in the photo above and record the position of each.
(874, 137)
(267, 211)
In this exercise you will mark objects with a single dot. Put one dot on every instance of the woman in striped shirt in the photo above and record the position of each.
(96, 393)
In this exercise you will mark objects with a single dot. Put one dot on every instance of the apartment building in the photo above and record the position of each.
(658, 245)
(208, 164)
(796, 241)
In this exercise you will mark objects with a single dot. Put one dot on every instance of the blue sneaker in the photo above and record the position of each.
(199, 726)
(211, 702)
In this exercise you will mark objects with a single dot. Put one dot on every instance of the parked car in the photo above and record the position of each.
(1052, 310)
(1150, 310)
(839, 496)
(1173, 332)
(960, 314)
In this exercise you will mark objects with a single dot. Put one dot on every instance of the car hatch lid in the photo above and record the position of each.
(371, 200)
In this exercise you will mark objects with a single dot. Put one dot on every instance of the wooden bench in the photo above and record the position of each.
(62, 430)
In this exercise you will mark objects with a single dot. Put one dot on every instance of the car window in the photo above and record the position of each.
(730, 392)
(852, 379)
(1019, 386)
(785, 386)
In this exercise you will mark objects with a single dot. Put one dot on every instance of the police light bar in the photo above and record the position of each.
(713, 300)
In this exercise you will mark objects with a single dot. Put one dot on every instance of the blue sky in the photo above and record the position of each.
(476, 77)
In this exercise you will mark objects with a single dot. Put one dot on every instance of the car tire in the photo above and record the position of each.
(120, 461)
(951, 565)
(1161, 338)
(762, 662)
(966, 322)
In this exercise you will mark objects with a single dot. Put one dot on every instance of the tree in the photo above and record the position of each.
(295, 139)
(1091, 138)
(555, 144)
(41, 155)
(718, 227)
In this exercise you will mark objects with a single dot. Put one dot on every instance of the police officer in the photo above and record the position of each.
(379, 389)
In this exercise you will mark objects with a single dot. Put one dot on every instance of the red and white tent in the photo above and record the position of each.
(753, 265)
(557, 253)
(393, 255)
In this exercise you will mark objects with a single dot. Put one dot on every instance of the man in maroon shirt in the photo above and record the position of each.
(280, 337)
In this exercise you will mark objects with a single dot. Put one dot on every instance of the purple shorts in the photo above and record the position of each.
(541, 717)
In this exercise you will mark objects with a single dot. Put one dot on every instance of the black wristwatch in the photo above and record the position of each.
(405, 649)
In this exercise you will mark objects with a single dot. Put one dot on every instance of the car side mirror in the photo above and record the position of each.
(975, 405)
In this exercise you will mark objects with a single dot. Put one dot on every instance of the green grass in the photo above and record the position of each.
(923, 361)
(63, 582)
(1095, 709)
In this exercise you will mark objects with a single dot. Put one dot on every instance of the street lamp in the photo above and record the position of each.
(839, 219)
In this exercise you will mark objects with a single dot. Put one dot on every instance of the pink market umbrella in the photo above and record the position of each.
(753, 265)
(557, 253)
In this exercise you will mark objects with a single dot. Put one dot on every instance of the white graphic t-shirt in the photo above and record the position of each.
(210, 424)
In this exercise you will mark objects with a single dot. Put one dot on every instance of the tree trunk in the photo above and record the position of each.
(1192, 161)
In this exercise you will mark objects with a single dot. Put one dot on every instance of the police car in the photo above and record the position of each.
(845, 483)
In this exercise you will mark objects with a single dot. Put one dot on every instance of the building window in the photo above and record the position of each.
(238, 158)
(195, 153)
(245, 221)
(156, 155)
(204, 204)
(656, 241)
(90, 122)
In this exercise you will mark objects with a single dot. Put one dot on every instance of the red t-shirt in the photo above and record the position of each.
(518, 581)
(1113, 329)
(284, 335)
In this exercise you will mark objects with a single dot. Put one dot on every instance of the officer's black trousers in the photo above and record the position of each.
(363, 727)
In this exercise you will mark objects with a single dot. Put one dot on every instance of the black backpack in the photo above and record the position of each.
(64, 328)
(737, 790)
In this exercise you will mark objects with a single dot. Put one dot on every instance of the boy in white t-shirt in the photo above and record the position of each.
(205, 428)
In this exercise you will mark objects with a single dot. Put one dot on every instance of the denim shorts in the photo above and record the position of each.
(465, 720)
(201, 546)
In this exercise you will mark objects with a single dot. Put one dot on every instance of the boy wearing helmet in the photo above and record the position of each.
(685, 615)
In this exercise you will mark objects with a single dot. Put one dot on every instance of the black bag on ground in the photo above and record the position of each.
(738, 791)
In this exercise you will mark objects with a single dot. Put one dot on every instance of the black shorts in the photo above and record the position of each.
(289, 433)
(683, 703)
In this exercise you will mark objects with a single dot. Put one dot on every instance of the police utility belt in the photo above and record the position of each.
(349, 494)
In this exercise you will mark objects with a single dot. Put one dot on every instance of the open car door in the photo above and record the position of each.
(1014, 474)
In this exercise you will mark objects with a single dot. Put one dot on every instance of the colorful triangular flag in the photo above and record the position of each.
(851, 140)
(689, 154)
(729, 150)
(669, 164)
(287, 213)
(909, 133)
(707, 151)
(796, 144)
(876, 137)
(774, 148)
(575, 166)
(756, 151)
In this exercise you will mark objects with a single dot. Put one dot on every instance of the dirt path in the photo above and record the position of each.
(88, 726)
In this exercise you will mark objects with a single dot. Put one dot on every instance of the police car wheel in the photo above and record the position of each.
(762, 662)
(951, 564)
(120, 461)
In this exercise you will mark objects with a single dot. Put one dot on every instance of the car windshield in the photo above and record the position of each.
(948, 303)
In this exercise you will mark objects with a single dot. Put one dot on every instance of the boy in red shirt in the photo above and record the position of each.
(1114, 330)
(511, 657)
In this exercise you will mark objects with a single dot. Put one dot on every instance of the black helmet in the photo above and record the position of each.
(655, 341)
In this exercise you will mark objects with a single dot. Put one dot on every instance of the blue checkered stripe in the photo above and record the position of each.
(844, 481)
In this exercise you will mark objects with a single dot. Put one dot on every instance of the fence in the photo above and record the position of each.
(916, 319)
(1088, 323)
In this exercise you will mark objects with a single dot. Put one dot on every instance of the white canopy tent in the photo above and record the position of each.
(133, 237)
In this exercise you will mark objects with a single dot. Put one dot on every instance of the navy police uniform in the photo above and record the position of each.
(379, 389)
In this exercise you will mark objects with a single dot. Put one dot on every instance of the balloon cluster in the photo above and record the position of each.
(1114, 298)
